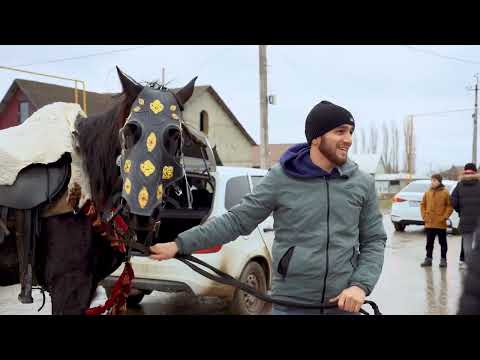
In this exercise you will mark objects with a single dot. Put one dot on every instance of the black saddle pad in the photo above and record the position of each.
(36, 184)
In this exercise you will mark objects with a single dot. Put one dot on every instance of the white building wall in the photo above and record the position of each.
(232, 146)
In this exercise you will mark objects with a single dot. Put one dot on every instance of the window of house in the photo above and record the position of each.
(394, 182)
(237, 188)
(204, 122)
(24, 111)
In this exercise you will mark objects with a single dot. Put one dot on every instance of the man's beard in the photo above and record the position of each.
(329, 151)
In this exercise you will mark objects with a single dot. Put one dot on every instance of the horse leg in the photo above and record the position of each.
(106, 259)
(67, 269)
(9, 262)
(75, 260)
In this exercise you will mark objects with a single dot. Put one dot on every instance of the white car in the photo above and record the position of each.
(406, 205)
(248, 258)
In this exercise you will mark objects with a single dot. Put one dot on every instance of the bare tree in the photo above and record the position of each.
(395, 148)
(373, 147)
(386, 156)
(363, 142)
(355, 142)
(430, 169)
(409, 137)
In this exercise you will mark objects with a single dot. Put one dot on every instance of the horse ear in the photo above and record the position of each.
(130, 86)
(186, 92)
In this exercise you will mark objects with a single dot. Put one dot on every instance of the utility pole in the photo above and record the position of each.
(475, 118)
(410, 118)
(409, 136)
(264, 156)
(163, 76)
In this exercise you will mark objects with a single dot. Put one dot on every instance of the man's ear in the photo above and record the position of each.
(317, 141)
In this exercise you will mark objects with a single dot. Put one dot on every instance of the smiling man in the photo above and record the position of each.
(329, 236)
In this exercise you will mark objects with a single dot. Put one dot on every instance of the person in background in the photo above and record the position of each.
(436, 209)
(462, 257)
(466, 202)
(470, 299)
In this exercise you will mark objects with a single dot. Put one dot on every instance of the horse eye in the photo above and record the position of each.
(130, 133)
(171, 140)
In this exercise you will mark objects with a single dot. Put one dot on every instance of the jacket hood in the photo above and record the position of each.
(470, 178)
(296, 162)
(441, 187)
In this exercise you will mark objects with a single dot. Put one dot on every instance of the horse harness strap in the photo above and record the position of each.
(3, 224)
(115, 230)
(27, 225)
(116, 303)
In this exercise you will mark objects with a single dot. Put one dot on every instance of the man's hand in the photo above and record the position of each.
(350, 299)
(163, 251)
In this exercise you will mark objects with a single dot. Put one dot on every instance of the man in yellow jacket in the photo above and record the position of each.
(436, 209)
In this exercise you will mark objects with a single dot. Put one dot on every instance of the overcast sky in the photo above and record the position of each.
(376, 83)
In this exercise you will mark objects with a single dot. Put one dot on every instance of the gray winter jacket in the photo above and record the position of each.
(329, 233)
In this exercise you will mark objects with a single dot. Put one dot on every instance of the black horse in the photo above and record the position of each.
(70, 256)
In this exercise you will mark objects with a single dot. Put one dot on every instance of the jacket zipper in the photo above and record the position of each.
(328, 242)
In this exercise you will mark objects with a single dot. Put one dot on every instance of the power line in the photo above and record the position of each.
(84, 56)
(440, 112)
(205, 64)
(434, 53)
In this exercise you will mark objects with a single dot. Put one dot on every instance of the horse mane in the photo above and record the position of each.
(98, 139)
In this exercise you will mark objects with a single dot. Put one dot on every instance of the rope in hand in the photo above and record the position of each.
(42, 290)
(226, 279)
(121, 289)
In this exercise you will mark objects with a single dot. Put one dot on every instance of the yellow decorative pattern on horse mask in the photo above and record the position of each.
(156, 106)
(151, 142)
(167, 172)
(127, 166)
(147, 168)
(159, 192)
(151, 138)
(127, 186)
(143, 197)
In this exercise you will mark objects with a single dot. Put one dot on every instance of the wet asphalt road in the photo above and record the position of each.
(403, 288)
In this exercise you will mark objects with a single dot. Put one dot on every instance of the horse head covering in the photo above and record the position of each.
(151, 145)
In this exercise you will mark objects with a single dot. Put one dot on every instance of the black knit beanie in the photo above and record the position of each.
(324, 117)
(470, 166)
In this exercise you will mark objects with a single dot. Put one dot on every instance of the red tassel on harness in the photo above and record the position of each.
(116, 303)
(118, 298)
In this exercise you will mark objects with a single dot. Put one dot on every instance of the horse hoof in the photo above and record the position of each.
(25, 299)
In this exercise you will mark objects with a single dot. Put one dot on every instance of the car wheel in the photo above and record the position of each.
(399, 227)
(244, 303)
(135, 300)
